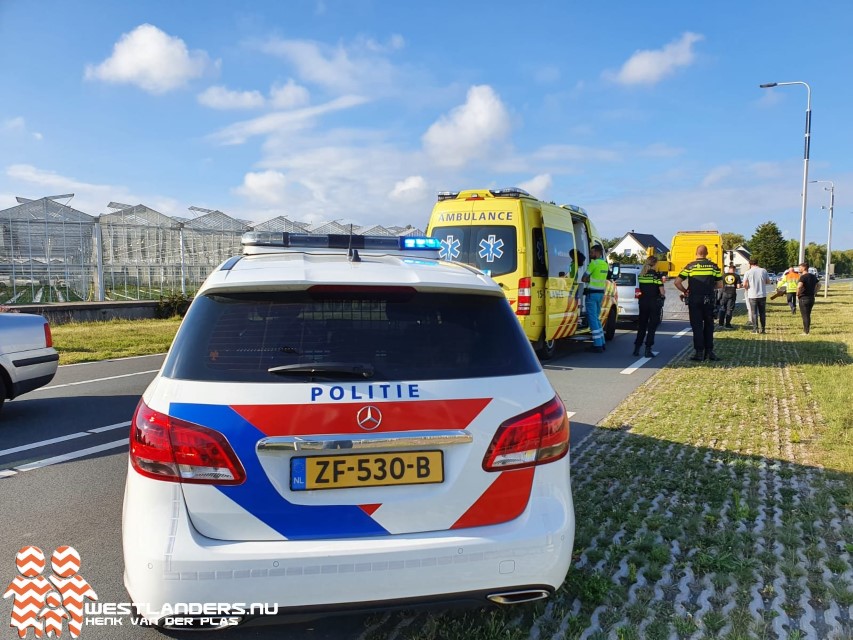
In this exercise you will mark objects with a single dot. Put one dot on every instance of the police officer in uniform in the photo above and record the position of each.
(652, 297)
(728, 296)
(703, 278)
(596, 281)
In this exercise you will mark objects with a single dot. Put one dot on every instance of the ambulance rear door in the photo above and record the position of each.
(561, 283)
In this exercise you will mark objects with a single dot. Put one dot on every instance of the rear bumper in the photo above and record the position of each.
(167, 563)
(30, 370)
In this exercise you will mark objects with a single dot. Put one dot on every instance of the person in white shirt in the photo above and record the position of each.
(755, 282)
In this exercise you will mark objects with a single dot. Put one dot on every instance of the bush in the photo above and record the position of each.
(172, 305)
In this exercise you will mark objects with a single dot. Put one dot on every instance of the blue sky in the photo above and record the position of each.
(649, 115)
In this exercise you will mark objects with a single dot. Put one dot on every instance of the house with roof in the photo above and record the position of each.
(635, 244)
(738, 257)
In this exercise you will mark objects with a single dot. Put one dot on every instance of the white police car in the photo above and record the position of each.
(345, 423)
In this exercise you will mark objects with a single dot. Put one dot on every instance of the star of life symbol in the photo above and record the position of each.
(42, 604)
(491, 248)
(449, 248)
(369, 418)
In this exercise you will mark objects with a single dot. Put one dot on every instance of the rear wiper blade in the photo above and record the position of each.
(339, 369)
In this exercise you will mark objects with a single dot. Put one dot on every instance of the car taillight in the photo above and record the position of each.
(48, 338)
(166, 448)
(532, 438)
(637, 292)
(523, 308)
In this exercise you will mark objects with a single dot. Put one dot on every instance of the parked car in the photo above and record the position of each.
(27, 357)
(346, 423)
(628, 291)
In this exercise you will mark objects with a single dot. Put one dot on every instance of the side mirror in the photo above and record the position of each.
(614, 270)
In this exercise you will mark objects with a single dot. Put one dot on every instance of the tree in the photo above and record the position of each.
(816, 255)
(609, 243)
(792, 252)
(732, 241)
(767, 246)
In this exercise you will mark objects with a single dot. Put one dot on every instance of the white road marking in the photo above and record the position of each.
(7, 473)
(41, 443)
(70, 436)
(110, 427)
(569, 414)
(38, 464)
(681, 333)
(73, 384)
(639, 363)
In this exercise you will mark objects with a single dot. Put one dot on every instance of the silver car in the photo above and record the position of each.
(628, 291)
(27, 357)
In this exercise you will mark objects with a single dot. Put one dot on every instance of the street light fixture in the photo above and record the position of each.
(805, 158)
(831, 189)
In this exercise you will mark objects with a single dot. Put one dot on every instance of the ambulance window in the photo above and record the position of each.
(561, 253)
(494, 249)
(490, 248)
(540, 267)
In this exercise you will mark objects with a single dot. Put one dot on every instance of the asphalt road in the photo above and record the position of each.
(63, 460)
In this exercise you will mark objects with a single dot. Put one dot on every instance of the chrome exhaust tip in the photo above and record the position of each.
(518, 597)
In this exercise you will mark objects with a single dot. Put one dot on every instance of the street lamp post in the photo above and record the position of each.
(831, 189)
(805, 158)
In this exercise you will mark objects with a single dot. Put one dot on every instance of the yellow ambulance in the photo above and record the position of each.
(536, 251)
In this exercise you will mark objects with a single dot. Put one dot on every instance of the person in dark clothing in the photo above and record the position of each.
(651, 301)
(806, 289)
(703, 278)
(728, 296)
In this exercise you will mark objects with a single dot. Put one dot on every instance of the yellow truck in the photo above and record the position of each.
(536, 251)
(682, 251)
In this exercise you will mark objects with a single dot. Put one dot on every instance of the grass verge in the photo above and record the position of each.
(715, 502)
(88, 341)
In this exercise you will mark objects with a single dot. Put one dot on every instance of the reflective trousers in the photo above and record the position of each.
(593, 313)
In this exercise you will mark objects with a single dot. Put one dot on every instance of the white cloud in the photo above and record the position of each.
(15, 124)
(150, 59)
(359, 68)
(548, 74)
(538, 186)
(651, 66)
(279, 121)
(470, 131)
(18, 125)
(289, 96)
(661, 150)
(717, 174)
(219, 97)
(91, 198)
(411, 189)
(264, 187)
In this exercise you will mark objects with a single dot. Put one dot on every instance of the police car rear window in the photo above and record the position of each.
(402, 335)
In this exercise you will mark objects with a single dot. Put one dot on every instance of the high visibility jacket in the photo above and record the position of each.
(792, 278)
(649, 284)
(597, 271)
(702, 276)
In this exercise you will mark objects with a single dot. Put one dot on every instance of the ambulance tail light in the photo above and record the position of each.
(524, 297)
(173, 450)
(536, 437)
